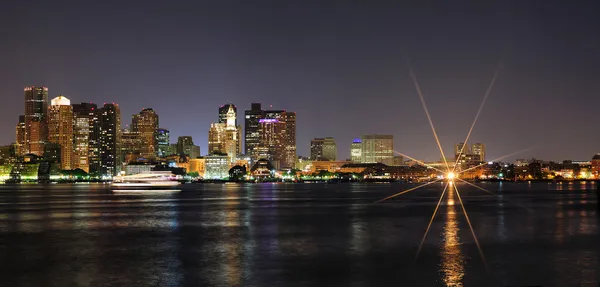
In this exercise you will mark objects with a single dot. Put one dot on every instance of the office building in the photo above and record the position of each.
(322, 149)
(356, 151)
(216, 167)
(252, 128)
(60, 129)
(185, 146)
(110, 140)
(86, 133)
(20, 137)
(36, 130)
(377, 149)
(145, 124)
(224, 137)
(478, 150)
(163, 142)
(131, 146)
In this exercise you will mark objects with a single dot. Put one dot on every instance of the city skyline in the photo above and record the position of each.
(548, 69)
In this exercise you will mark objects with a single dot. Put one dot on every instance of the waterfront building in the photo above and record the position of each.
(478, 149)
(86, 133)
(323, 149)
(356, 151)
(110, 140)
(216, 167)
(36, 130)
(377, 149)
(252, 128)
(185, 146)
(163, 142)
(131, 146)
(145, 124)
(20, 136)
(60, 129)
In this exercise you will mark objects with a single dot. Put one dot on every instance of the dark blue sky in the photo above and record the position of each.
(341, 65)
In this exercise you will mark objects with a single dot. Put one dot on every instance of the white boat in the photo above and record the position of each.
(152, 179)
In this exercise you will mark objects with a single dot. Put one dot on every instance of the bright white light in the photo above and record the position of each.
(450, 175)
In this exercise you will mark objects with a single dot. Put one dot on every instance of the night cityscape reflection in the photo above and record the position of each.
(273, 143)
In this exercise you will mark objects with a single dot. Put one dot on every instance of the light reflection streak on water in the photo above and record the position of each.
(453, 261)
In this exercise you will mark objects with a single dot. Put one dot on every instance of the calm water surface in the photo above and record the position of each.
(298, 235)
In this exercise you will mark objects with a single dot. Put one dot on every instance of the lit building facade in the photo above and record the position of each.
(110, 140)
(478, 149)
(224, 137)
(145, 124)
(323, 149)
(60, 129)
(377, 149)
(216, 167)
(86, 133)
(20, 137)
(252, 128)
(356, 151)
(36, 130)
(163, 142)
(131, 146)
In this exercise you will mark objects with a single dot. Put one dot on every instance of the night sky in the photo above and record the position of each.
(341, 65)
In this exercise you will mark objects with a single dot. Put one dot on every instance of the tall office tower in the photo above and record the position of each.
(323, 149)
(216, 138)
(461, 147)
(162, 140)
(316, 149)
(278, 138)
(131, 146)
(36, 130)
(478, 149)
(60, 129)
(20, 133)
(146, 125)
(290, 140)
(224, 137)
(377, 148)
(110, 140)
(86, 133)
(356, 151)
(252, 128)
(329, 149)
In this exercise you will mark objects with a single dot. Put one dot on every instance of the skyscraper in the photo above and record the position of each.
(316, 148)
(20, 134)
(146, 125)
(356, 151)
(131, 146)
(110, 139)
(478, 149)
(323, 149)
(216, 138)
(290, 140)
(377, 148)
(86, 133)
(252, 128)
(36, 108)
(163, 142)
(224, 137)
(60, 129)
(277, 131)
